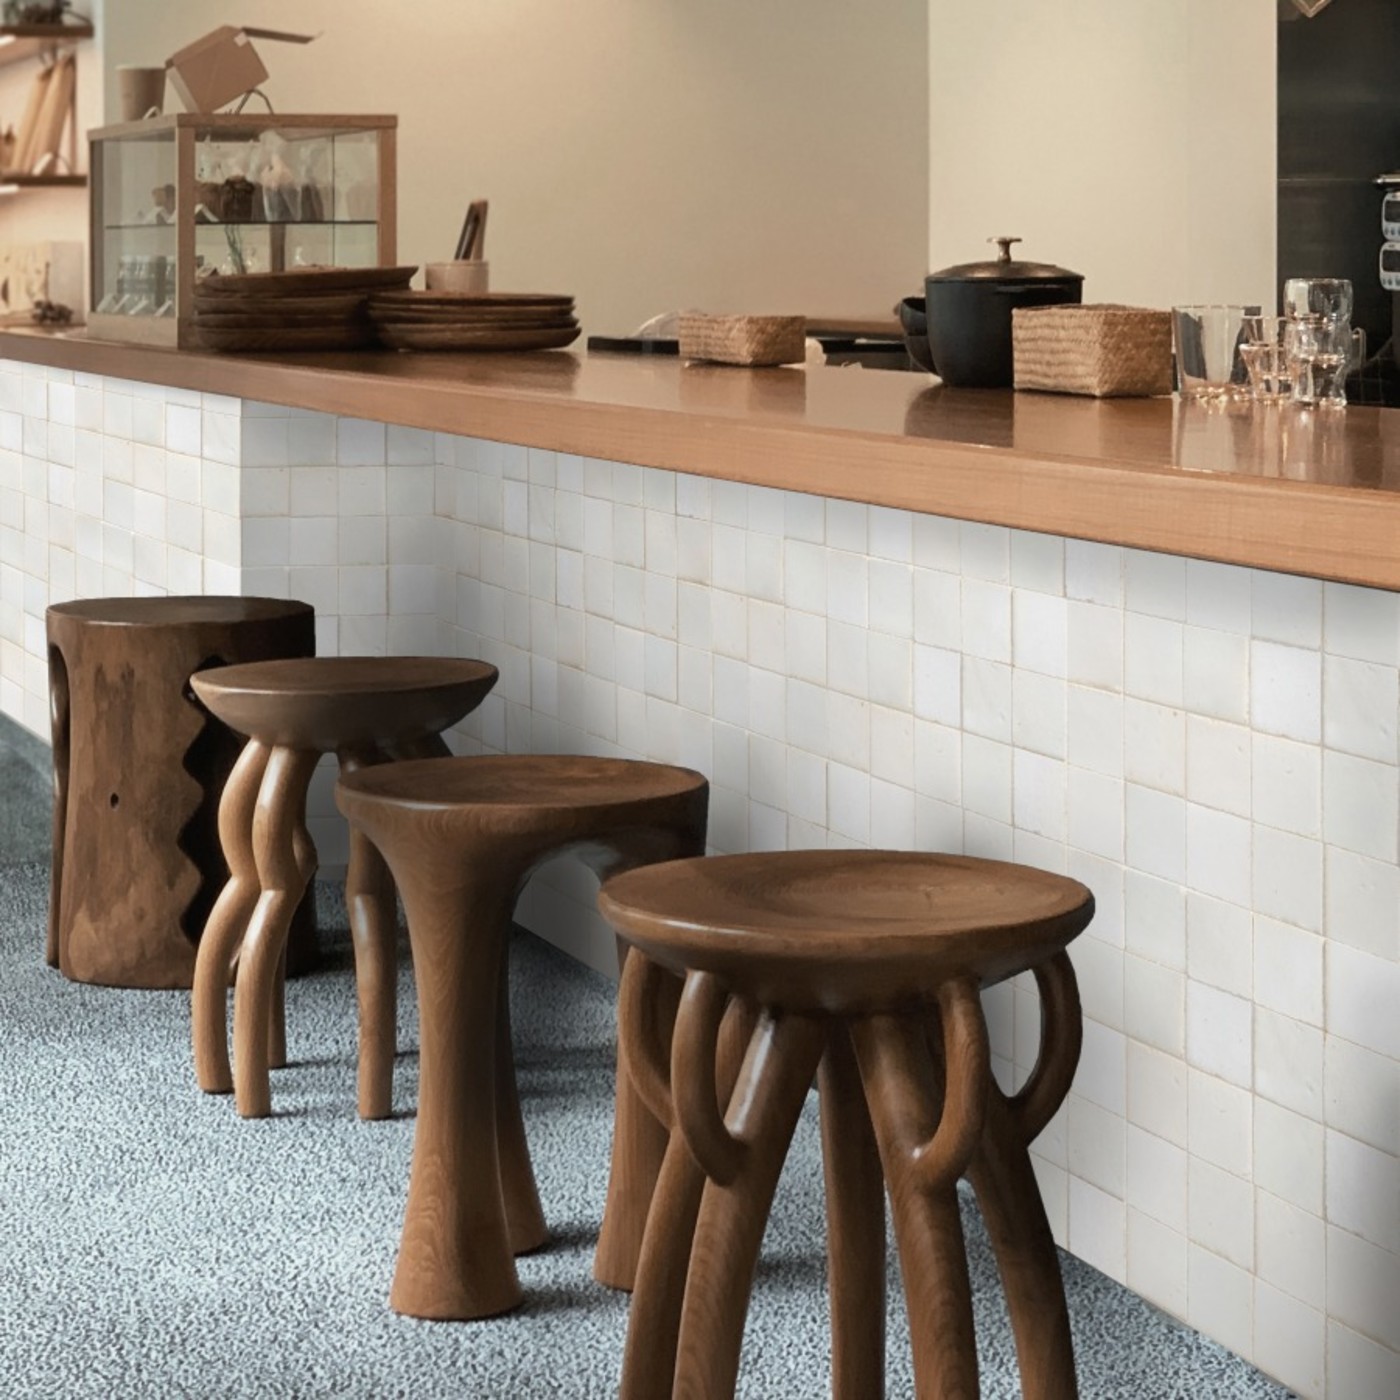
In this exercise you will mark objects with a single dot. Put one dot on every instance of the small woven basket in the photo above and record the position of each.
(1104, 351)
(743, 340)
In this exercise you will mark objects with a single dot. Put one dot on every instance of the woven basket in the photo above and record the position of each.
(1103, 351)
(744, 340)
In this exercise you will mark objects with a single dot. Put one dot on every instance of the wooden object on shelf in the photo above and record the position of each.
(24, 41)
(461, 837)
(366, 711)
(54, 115)
(138, 768)
(26, 133)
(867, 964)
(146, 240)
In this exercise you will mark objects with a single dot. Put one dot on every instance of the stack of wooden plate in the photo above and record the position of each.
(413, 320)
(307, 308)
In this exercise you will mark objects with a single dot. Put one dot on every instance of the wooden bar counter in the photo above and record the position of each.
(1273, 488)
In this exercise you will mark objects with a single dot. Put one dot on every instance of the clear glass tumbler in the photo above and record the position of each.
(1265, 355)
(1207, 340)
(1322, 351)
(1318, 296)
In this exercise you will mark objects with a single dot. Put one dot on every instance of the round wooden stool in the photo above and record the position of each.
(138, 769)
(365, 710)
(461, 837)
(867, 964)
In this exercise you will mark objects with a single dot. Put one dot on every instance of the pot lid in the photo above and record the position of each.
(1005, 269)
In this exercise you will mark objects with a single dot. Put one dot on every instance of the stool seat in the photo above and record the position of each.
(335, 703)
(842, 931)
(493, 790)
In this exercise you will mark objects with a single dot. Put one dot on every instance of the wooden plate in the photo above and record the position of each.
(329, 304)
(430, 316)
(412, 297)
(250, 321)
(402, 337)
(542, 323)
(302, 280)
(337, 337)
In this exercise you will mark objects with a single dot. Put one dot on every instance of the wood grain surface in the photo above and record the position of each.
(1271, 487)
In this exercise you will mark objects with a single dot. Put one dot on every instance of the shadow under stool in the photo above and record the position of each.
(863, 969)
(462, 836)
(367, 711)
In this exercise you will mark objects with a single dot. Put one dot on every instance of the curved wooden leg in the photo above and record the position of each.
(277, 1016)
(522, 1198)
(639, 1139)
(228, 921)
(639, 1148)
(60, 736)
(903, 1095)
(285, 866)
(653, 1325)
(1009, 1196)
(777, 1073)
(455, 1257)
(855, 1214)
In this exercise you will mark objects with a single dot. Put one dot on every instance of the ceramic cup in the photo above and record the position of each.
(140, 92)
(471, 275)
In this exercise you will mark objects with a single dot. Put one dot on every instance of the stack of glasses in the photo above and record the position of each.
(1232, 352)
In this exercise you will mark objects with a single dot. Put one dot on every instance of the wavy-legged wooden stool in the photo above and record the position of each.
(366, 711)
(863, 968)
(462, 836)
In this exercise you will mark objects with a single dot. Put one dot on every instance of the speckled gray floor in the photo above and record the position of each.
(153, 1245)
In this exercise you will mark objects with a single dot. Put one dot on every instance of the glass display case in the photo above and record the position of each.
(178, 198)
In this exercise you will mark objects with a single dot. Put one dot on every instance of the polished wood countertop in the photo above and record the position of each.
(1272, 487)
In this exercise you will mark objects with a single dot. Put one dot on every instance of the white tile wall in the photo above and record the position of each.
(1212, 749)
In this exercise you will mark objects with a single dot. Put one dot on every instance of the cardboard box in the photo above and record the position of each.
(222, 66)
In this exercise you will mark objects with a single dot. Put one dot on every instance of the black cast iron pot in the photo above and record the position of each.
(969, 313)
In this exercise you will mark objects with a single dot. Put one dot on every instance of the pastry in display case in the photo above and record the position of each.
(181, 198)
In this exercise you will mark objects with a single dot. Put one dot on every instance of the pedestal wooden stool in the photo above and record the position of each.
(867, 964)
(462, 836)
(138, 767)
(366, 711)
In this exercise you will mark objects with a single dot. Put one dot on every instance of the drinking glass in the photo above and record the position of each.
(1318, 296)
(1322, 351)
(1265, 356)
(1207, 340)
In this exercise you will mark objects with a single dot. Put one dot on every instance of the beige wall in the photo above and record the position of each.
(1130, 140)
(642, 154)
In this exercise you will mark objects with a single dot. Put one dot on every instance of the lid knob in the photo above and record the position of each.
(1004, 244)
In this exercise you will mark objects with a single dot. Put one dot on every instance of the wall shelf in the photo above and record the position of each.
(21, 41)
(51, 182)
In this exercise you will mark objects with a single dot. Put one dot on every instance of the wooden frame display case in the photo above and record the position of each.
(177, 198)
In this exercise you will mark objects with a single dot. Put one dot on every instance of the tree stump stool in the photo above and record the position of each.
(864, 968)
(462, 837)
(138, 768)
(366, 711)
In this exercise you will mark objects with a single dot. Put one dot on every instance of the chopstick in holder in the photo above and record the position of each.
(468, 235)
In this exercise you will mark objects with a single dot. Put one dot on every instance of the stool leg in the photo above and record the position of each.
(777, 1073)
(286, 863)
(638, 1152)
(277, 1016)
(228, 921)
(369, 897)
(855, 1214)
(455, 1258)
(1025, 1249)
(522, 1198)
(902, 1091)
(653, 1325)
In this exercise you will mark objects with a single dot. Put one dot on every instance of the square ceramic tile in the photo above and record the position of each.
(1287, 780)
(1154, 745)
(1218, 596)
(1154, 652)
(1038, 562)
(1362, 994)
(1359, 805)
(1362, 623)
(1218, 764)
(1039, 795)
(986, 698)
(1358, 1366)
(1360, 703)
(891, 598)
(1038, 713)
(1288, 877)
(1288, 971)
(1096, 1145)
(1290, 1249)
(1218, 854)
(1098, 1228)
(938, 682)
(1221, 1116)
(937, 608)
(1094, 645)
(1288, 1156)
(1039, 633)
(1157, 1263)
(1289, 1340)
(1363, 1191)
(1095, 813)
(1220, 1033)
(1220, 944)
(1287, 608)
(1221, 1213)
(1154, 1004)
(1156, 832)
(1363, 903)
(1286, 691)
(1095, 730)
(986, 777)
(1154, 584)
(1363, 1282)
(986, 620)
